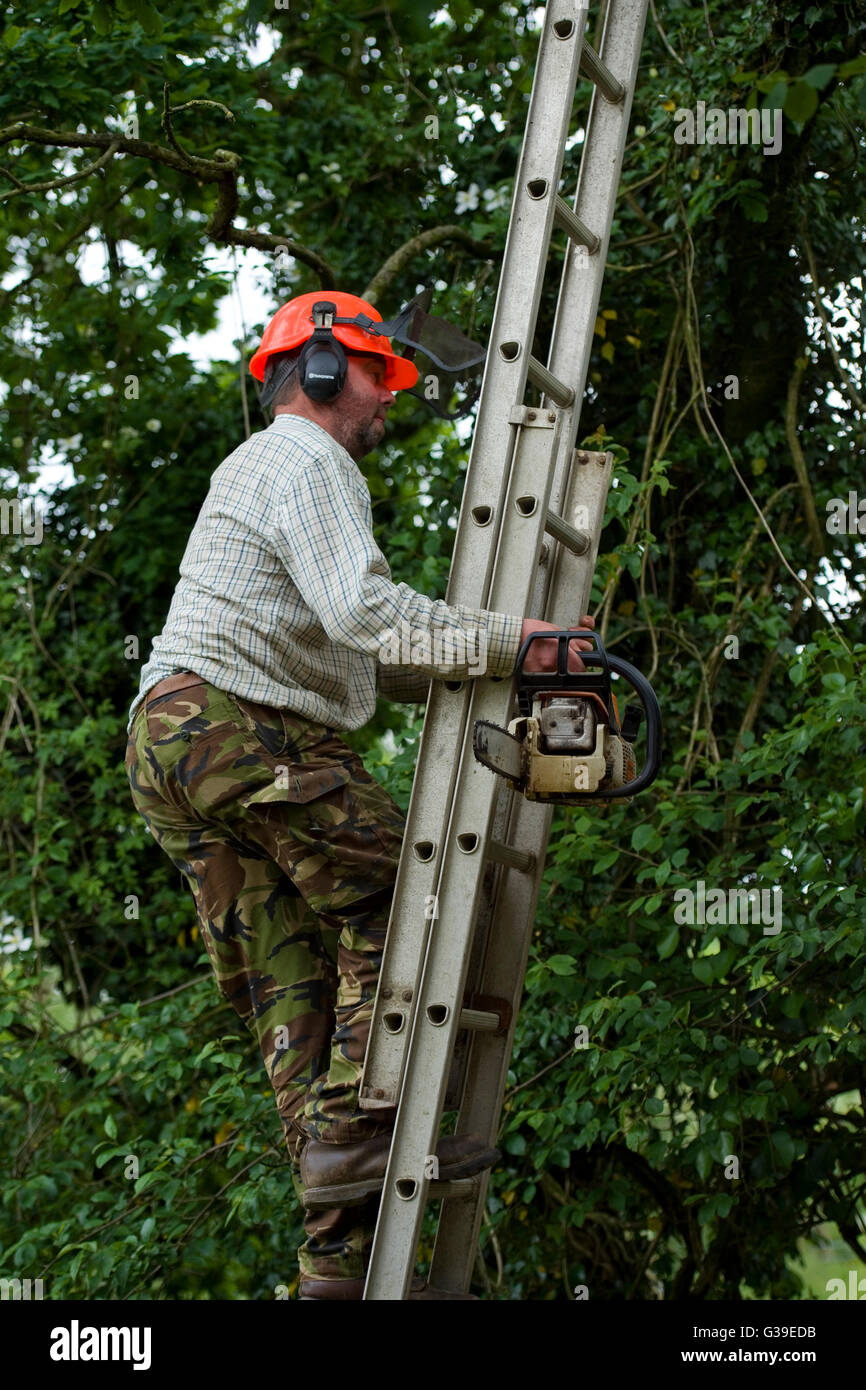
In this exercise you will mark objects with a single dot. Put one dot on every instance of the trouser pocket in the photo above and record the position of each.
(271, 727)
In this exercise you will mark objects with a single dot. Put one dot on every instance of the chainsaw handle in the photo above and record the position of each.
(531, 682)
(647, 695)
(562, 679)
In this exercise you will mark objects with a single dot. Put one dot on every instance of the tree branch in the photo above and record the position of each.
(791, 403)
(434, 236)
(64, 180)
(221, 170)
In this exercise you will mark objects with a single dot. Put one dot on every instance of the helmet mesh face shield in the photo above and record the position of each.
(450, 365)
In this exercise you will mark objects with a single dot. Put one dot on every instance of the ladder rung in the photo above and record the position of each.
(548, 383)
(593, 68)
(512, 858)
(457, 1187)
(578, 542)
(568, 221)
(479, 1020)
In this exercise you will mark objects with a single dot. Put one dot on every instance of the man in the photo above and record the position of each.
(289, 846)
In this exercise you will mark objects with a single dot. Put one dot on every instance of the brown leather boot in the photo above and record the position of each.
(317, 1290)
(342, 1175)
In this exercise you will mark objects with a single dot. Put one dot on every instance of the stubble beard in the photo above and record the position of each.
(360, 433)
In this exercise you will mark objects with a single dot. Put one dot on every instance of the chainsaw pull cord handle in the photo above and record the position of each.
(541, 680)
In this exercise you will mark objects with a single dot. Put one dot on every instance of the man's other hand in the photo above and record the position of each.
(542, 655)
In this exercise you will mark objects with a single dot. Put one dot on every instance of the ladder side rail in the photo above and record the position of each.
(476, 542)
(512, 915)
(577, 306)
(594, 202)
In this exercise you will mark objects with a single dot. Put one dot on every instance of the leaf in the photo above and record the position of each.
(11, 36)
(148, 17)
(797, 673)
(105, 1157)
(669, 943)
(784, 1146)
(654, 1106)
(703, 970)
(776, 94)
(148, 1180)
(643, 835)
(606, 861)
(801, 102)
(561, 965)
(820, 75)
(66, 5)
(101, 18)
(754, 208)
(834, 680)
(704, 1162)
(110, 1127)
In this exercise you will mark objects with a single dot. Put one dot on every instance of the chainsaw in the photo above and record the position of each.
(568, 745)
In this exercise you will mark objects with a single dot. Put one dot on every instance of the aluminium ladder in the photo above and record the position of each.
(527, 539)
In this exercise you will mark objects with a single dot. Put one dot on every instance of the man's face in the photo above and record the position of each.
(359, 412)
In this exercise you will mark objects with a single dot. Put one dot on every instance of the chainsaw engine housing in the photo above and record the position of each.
(569, 749)
(568, 745)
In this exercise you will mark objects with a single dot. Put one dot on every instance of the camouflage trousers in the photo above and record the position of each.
(290, 849)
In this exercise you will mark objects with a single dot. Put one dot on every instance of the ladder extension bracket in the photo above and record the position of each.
(532, 415)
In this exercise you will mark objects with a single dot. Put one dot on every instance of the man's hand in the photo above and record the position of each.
(542, 655)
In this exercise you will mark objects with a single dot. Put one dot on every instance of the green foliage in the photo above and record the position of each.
(726, 342)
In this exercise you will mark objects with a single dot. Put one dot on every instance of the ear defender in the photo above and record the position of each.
(322, 365)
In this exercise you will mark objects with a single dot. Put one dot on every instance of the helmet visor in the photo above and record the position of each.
(450, 365)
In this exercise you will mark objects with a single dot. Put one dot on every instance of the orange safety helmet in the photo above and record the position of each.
(293, 324)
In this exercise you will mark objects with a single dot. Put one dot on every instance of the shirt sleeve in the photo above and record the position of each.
(402, 684)
(324, 537)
